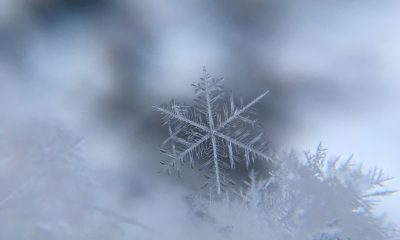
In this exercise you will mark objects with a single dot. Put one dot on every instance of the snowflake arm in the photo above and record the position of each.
(180, 118)
(212, 131)
(174, 136)
(177, 159)
(247, 147)
(237, 113)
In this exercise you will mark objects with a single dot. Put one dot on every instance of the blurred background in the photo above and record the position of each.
(96, 67)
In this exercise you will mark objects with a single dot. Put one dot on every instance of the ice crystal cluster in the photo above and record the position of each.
(216, 131)
(308, 198)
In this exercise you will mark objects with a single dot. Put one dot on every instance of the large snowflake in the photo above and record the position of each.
(215, 131)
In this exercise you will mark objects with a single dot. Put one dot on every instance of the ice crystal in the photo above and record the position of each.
(311, 197)
(215, 131)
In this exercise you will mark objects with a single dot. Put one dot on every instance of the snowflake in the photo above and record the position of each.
(215, 131)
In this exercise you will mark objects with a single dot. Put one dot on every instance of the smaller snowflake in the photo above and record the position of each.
(214, 131)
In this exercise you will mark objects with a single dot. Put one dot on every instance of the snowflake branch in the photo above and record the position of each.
(174, 136)
(196, 144)
(213, 141)
(240, 111)
(244, 146)
(181, 118)
(188, 150)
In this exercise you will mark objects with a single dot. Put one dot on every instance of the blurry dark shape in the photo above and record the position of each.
(51, 10)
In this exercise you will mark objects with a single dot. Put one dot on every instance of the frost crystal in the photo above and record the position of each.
(215, 131)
